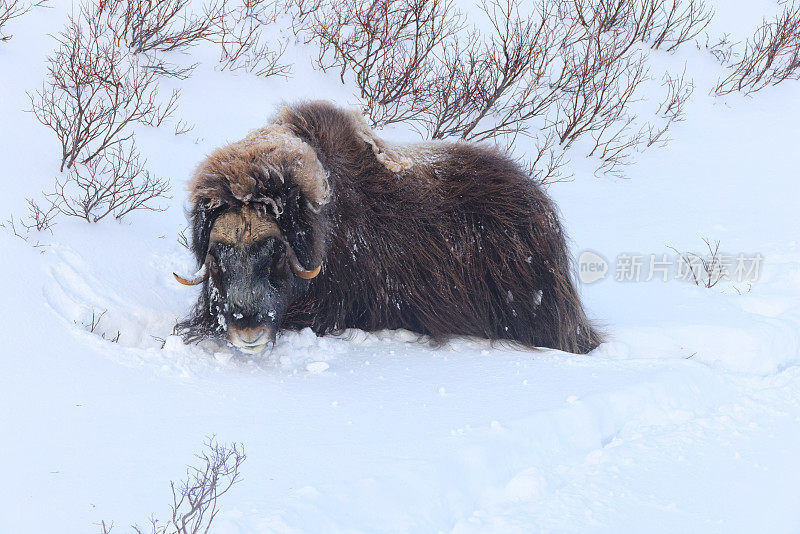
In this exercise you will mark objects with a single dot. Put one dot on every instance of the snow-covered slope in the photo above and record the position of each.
(687, 420)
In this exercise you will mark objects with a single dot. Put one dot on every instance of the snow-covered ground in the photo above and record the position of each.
(687, 420)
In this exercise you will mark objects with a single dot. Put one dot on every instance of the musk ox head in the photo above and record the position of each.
(257, 235)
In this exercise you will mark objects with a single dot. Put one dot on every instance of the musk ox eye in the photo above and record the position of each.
(213, 264)
(278, 259)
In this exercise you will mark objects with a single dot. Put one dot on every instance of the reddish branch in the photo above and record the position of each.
(705, 271)
(95, 91)
(244, 44)
(114, 184)
(555, 71)
(672, 109)
(12, 9)
(387, 45)
(159, 25)
(663, 24)
(770, 56)
(490, 87)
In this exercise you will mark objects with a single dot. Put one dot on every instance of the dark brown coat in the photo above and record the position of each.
(443, 239)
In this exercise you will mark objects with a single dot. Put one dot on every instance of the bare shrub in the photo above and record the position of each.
(722, 49)
(495, 86)
(12, 9)
(770, 56)
(153, 28)
(116, 183)
(546, 163)
(705, 271)
(160, 25)
(243, 42)
(300, 12)
(95, 91)
(679, 91)
(607, 66)
(103, 77)
(194, 500)
(680, 22)
(555, 71)
(93, 326)
(663, 24)
(672, 109)
(182, 127)
(387, 45)
(489, 87)
(183, 239)
(10, 225)
(40, 218)
(600, 84)
(150, 28)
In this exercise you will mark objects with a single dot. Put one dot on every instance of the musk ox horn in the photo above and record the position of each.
(198, 278)
(297, 267)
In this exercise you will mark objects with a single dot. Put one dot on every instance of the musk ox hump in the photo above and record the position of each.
(390, 156)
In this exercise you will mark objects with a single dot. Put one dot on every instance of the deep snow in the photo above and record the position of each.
(687, 420)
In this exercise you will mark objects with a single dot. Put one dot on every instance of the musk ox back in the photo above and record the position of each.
(315, 222)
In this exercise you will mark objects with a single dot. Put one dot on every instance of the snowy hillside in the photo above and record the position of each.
(686, 420)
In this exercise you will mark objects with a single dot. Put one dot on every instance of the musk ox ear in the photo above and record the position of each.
(203, 216)
(303, 230)
(390, 156)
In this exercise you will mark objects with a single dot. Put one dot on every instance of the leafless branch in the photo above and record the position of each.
(680, 21)
(148, 26)
(183, 240)
(195, 500)
(183, 127)
(12, 9)
(244, 42)
(40, 218)
(10, 225)
(722, 49)
(116, 183)
(671, 110)
(387, 45)
(546, 69)
(490, 86)
(94, 91)
(705, 271)
(770, 56)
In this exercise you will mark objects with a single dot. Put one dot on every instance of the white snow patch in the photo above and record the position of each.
(317, 367)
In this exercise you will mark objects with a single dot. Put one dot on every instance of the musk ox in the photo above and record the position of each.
(314, 221)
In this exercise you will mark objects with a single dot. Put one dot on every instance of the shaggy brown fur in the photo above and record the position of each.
(442, 239)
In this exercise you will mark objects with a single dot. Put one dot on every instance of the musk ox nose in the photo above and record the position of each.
(253, 339)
